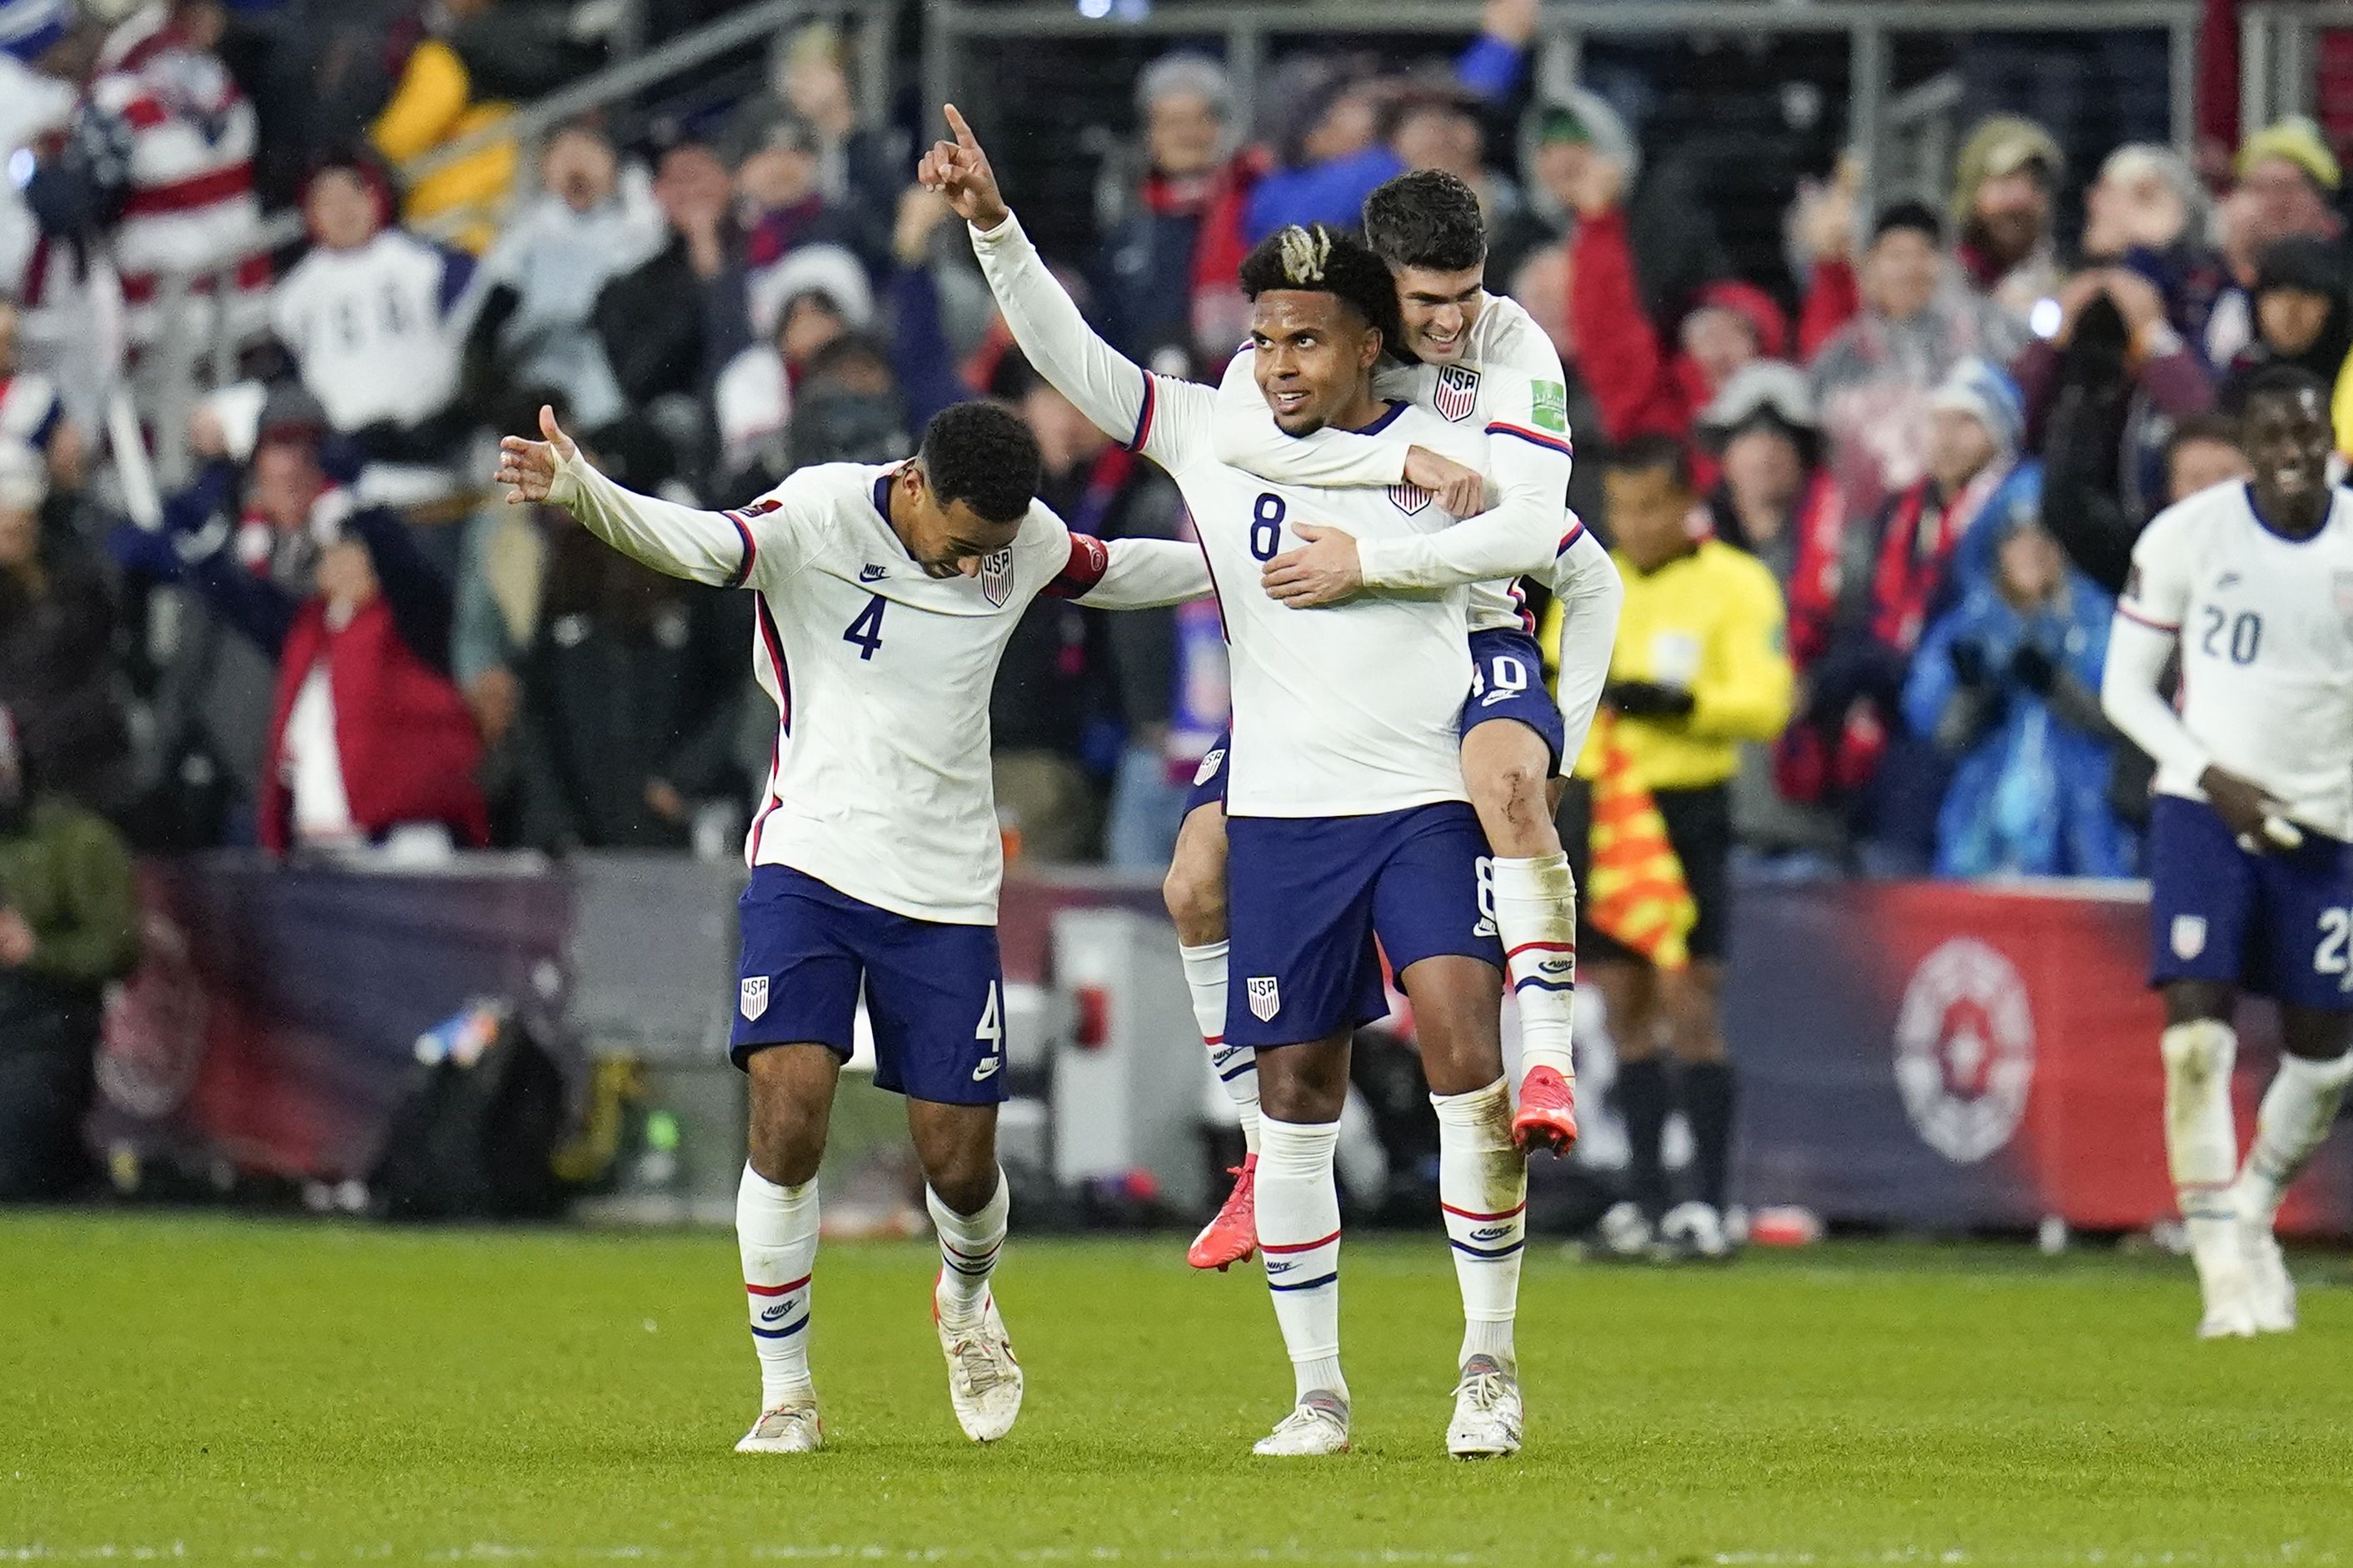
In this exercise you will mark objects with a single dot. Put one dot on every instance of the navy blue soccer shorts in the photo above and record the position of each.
(2278, 924)
(1208, 787)
(935, 993)
(1507, 682)
(1308, 896)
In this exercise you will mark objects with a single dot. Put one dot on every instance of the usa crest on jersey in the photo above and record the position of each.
(996, 577)
(1265, 998)
(1457, 396)
(2188, 936)
(1409, 499)
(754, 998)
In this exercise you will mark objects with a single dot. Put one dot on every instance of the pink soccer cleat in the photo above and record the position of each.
(1232, 1236)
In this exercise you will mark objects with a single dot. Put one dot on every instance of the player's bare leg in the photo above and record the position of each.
(2201, 1146)
(2297, 1112)
(1301, 1089)
(1483, 1189)
(775, 1233)
(965, 1189)
(1195, 892)
(1506, 768)
(1630, 1000)
(1691, 1002)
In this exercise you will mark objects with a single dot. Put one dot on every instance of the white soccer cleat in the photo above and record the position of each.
(1624, 1233)
(1695, 1230)
(984, 1377)
(1317, 1424)
(792, 1428)
(2230, 1296)
(1488, 1415)
(2270, 1289)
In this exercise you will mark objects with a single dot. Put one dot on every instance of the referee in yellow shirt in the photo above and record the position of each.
(1699, 669)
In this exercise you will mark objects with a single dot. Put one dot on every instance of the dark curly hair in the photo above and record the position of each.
(983, 455)
(1321, 259)
(1427, 218)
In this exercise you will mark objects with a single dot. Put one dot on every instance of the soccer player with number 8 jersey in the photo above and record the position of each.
(1348, 814)
(2250, 836)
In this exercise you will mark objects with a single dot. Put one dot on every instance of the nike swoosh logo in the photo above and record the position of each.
(1556, 966)
(987, 1068)
(873, 574)
(773, 1313)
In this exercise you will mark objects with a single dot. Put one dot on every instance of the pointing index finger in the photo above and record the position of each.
(964, 138)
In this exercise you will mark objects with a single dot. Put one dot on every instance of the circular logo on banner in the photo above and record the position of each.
(1965, 1050)
(154, 1038)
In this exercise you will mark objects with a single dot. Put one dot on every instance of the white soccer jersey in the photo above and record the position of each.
(881, 785)
(370, 329)
(1348, 711)
(2264, 625)
(1508, 388)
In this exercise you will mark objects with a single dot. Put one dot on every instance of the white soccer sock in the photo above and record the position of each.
(2201, 1141)
(776, 1232)
(2297, 1112)
(969, 1247)
(1236, 1066)
(1536, 915)
(1483, 1189)
(1299, 1238)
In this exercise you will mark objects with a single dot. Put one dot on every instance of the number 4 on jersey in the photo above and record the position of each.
(865, 633)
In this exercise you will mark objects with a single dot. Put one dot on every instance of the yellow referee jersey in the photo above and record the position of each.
(1711, 623)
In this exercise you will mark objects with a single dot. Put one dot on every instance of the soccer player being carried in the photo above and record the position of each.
(2250, 836)
(1348, 814)
(1481, 362)
(885, 597)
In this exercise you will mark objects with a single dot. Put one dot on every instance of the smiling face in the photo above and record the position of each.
(1314, 357)
(2287, 443)
(949, 540)
(1439, 310)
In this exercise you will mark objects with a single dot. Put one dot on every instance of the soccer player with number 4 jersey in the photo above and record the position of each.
(1348, 814)
(885, 597)
(2250, 836)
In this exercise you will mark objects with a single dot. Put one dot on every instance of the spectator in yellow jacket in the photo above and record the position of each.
(438, 104)
(1699, 669)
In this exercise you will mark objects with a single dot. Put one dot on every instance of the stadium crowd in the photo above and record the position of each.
(1939, 425)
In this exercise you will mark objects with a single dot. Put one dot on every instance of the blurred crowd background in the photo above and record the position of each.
(273, 275)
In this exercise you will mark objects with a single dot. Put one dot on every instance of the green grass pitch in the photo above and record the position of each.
(220, 1390)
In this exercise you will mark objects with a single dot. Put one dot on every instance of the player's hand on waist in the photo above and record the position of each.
(1324, 571)
(2242, 805)
(529, 468)
(959, 171)
(1461, 490)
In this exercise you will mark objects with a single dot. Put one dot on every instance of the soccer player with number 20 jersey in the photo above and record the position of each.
(2250, 836)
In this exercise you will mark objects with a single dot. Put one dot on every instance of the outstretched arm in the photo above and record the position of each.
(722, 549)
(1116, 393)
(1130, 574)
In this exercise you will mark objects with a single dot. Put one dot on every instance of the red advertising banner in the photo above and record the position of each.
(1959, 1057)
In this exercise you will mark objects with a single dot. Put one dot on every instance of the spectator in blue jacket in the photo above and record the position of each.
(2007, 685)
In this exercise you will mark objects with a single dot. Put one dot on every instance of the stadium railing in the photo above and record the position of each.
(2279, 57)
(197, 346)
(1248, 33)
